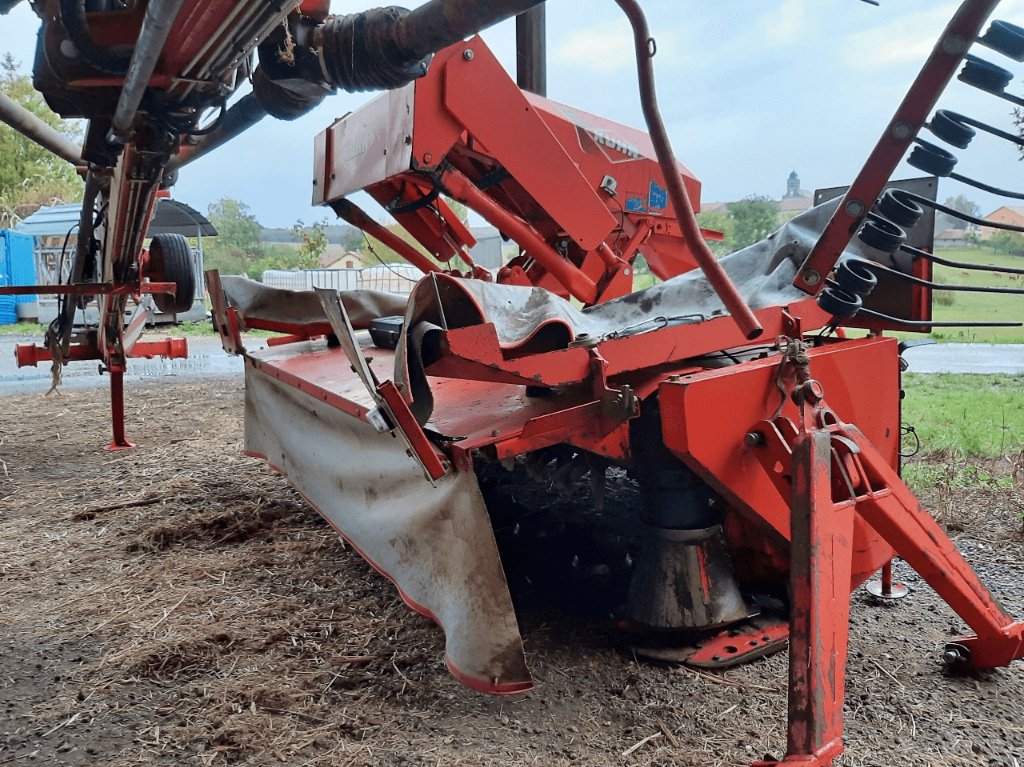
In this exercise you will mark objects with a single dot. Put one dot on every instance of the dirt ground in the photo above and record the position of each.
(178, 604)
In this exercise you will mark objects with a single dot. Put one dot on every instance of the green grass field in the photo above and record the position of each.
(966, 424)
(965, 307)
(977, 415)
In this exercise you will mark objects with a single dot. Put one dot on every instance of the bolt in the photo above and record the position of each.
(954, 45)
(811, 277)
(495, 433)
(902, 130)
(468, 54)
(855, 208)
(627, 271)
(428, 158)
(813, 392)
(753, 439)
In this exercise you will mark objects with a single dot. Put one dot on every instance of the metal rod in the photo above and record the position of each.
(716, 276)
(35, 129)
(531, 51)
(120, 440)
(575, 281)
(926, 256)
(887, 578)
(353, 214)
(156, 26)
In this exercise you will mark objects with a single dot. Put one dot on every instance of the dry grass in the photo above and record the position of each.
(179, 604)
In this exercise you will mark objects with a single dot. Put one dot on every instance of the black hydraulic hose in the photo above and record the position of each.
(66, 321)
(417, 34)
(439, 23)
(239, 117)
(72, 16)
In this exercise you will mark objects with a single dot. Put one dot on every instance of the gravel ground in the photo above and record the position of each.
(178, 604)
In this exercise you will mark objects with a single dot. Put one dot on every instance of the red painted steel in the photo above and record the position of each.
(30, 355)
(119, 441)
(684, 210)
(581, 195)
(91, 289)
(406, 422)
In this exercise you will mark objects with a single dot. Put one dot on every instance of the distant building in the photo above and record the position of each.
(1008, 214)
(336, 257)
(949, 238)
(793, 190)
(794, 201)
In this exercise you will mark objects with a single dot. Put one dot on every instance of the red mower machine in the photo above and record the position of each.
(765, 443)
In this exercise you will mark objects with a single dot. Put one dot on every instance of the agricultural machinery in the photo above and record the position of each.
(764, 440)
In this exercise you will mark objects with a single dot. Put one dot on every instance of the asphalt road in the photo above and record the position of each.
(966, 358)
(207, 358)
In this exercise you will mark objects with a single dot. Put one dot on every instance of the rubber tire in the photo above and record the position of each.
(170, 260)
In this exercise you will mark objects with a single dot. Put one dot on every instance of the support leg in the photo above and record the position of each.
(898, 517)
(884, 588)
(822, 546)
(120, 442)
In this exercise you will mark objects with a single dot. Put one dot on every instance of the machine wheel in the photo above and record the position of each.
(170, 260)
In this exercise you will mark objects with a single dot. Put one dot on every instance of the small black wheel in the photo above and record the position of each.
(881, 234)
(900, 208)
(855, 275)
(949, 127)
(170, 260)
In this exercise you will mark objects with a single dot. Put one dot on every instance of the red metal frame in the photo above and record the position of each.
(962, 30)
(531, 167)
(91, 289)
(826, 502)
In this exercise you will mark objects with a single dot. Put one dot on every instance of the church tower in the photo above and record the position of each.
(792, 187)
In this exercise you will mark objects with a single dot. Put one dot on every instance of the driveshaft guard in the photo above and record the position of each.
(432, 540)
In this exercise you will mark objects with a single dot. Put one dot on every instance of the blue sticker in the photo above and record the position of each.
(635, 204)
(658, 197)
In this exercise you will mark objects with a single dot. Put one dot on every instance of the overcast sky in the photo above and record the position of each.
(750, 90)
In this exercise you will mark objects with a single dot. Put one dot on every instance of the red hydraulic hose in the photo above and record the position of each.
(706, 260)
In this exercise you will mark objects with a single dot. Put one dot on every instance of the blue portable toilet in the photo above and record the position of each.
(17, 267)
